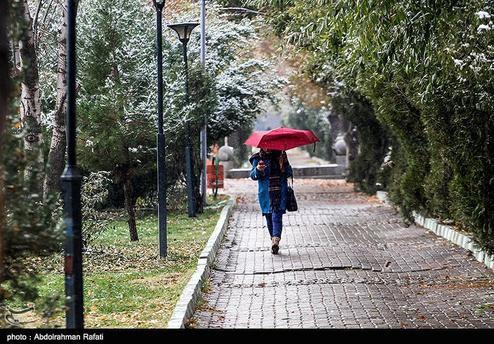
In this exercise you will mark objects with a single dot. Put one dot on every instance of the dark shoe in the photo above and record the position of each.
(275, 245)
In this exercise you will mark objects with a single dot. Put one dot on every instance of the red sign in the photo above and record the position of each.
(211, 174)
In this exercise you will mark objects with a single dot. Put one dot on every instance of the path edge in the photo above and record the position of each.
(191, 294)
(449, 233)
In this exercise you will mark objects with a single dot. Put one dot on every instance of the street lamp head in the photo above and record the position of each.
(159, 4)
(183, 30)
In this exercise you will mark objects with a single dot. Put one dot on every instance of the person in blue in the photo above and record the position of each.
(271, 169)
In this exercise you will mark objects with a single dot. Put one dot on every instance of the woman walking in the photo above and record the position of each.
(271, 169)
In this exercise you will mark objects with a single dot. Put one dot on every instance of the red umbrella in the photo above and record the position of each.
(281, 138)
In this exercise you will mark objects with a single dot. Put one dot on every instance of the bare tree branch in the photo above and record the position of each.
(46, 13)
(35, 22)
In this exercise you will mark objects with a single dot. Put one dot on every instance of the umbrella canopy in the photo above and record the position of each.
(281, 138)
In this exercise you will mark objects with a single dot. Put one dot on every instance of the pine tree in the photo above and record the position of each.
(116, 119)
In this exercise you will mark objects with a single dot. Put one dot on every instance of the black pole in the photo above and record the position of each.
(71, 182)
(188, 149)
(203, 135)
(160, 140)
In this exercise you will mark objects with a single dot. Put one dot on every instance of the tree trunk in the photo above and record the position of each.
(4, 92)
(56, 156)
(30, 96)
(197, 193)
(30, 102)
(130, 207)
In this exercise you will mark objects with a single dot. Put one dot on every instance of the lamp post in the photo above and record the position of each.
(71, 186)
(184, 30)
(204, 149)
(160, 140)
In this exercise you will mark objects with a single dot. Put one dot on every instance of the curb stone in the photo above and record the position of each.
(448, 232)
(190, 295)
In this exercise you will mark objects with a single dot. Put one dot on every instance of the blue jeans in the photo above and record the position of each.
(275, 224)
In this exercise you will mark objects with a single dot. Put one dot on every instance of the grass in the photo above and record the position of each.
(126, 284)
(485, 309)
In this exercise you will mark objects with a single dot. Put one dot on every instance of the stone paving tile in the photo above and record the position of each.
(346, 261)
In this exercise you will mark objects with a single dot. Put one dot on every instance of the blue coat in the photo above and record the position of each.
(263, 184)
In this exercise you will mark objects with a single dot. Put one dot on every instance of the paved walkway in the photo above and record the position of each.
(346, 261)
(299, 157)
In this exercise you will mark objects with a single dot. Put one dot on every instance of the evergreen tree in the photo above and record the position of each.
(116, 119)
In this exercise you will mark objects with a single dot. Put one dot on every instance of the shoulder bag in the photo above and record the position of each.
(291, 201)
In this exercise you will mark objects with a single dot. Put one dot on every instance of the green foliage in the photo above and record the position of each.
(242, 84)
(30, 225)
(373, 140)
(426, 68)
(116, 127)
(118, 92)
